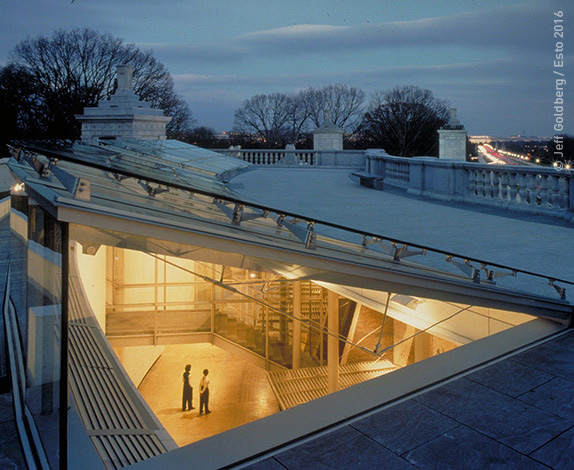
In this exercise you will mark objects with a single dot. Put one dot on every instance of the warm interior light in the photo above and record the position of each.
(17, 188)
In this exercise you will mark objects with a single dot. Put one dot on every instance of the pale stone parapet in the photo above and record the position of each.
(538, 190)
(452, 139)
(328, 136)
(352, 159)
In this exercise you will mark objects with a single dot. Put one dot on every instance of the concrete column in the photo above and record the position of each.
(296, 324)
(118, 279)
(351, 334)
(403, 334)
(333, 342)
(423, 347)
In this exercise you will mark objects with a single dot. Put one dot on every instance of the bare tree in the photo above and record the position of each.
(74, 69)
(343, 102)
(404, 121)
(276, 119)
(20, 105)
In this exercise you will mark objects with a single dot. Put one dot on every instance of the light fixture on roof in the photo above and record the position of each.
(17, 188)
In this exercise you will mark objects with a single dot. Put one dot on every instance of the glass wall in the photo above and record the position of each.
(263, 307)
(35, 254)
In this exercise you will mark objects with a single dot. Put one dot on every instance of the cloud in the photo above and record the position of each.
(522, 29)
(497, 96)
(465, 75)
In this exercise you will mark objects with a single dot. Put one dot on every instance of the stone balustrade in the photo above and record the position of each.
(538, 190)
(351, 159)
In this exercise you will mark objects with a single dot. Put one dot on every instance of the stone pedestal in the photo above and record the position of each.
(328, 136)
(452, 139)
(123, 116)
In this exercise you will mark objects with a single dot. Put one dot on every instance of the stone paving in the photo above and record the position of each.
(515, 414)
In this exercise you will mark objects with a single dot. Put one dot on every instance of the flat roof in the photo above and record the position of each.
(534, 243)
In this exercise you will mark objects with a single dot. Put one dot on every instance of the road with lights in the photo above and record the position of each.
(488, 154)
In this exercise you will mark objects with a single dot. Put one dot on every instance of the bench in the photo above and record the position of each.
(369, 180)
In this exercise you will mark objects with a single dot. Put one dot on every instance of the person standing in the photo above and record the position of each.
(187, 400)
(204, 393)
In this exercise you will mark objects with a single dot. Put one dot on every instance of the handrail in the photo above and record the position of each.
(28, 433)
(307, 322)
(69, 156)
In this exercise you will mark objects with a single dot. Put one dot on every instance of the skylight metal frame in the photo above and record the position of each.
(128, 161)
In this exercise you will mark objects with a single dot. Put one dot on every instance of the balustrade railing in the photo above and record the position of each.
(274, 156)
(546, 190)
(352, 159)
(539, 190)
(397, 173)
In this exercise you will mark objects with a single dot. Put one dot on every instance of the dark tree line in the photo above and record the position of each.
(48, 80)
(278, 119)
(404, 120)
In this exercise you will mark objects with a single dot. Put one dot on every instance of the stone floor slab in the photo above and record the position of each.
(514, 423)
(463, 448)
(6, 407)
(11, 456)
(310, 192)
(510, 377)
(267, 464)
(343, 448)
(559, 453)
(405, 426)
(556, 397)
(565, 341)
(550, 358)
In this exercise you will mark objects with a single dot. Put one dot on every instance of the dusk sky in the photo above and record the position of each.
(491, 59)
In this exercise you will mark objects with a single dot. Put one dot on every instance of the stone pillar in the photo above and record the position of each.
(452, 139)
(125, 75)
(328, 136)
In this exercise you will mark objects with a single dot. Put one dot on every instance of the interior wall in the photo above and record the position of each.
(93, 272)
(139, 269)
(138, 360)
(141, 272)
(457, 323)
(173, 274)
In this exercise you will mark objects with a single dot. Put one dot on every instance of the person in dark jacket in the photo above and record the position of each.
(187, 399)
